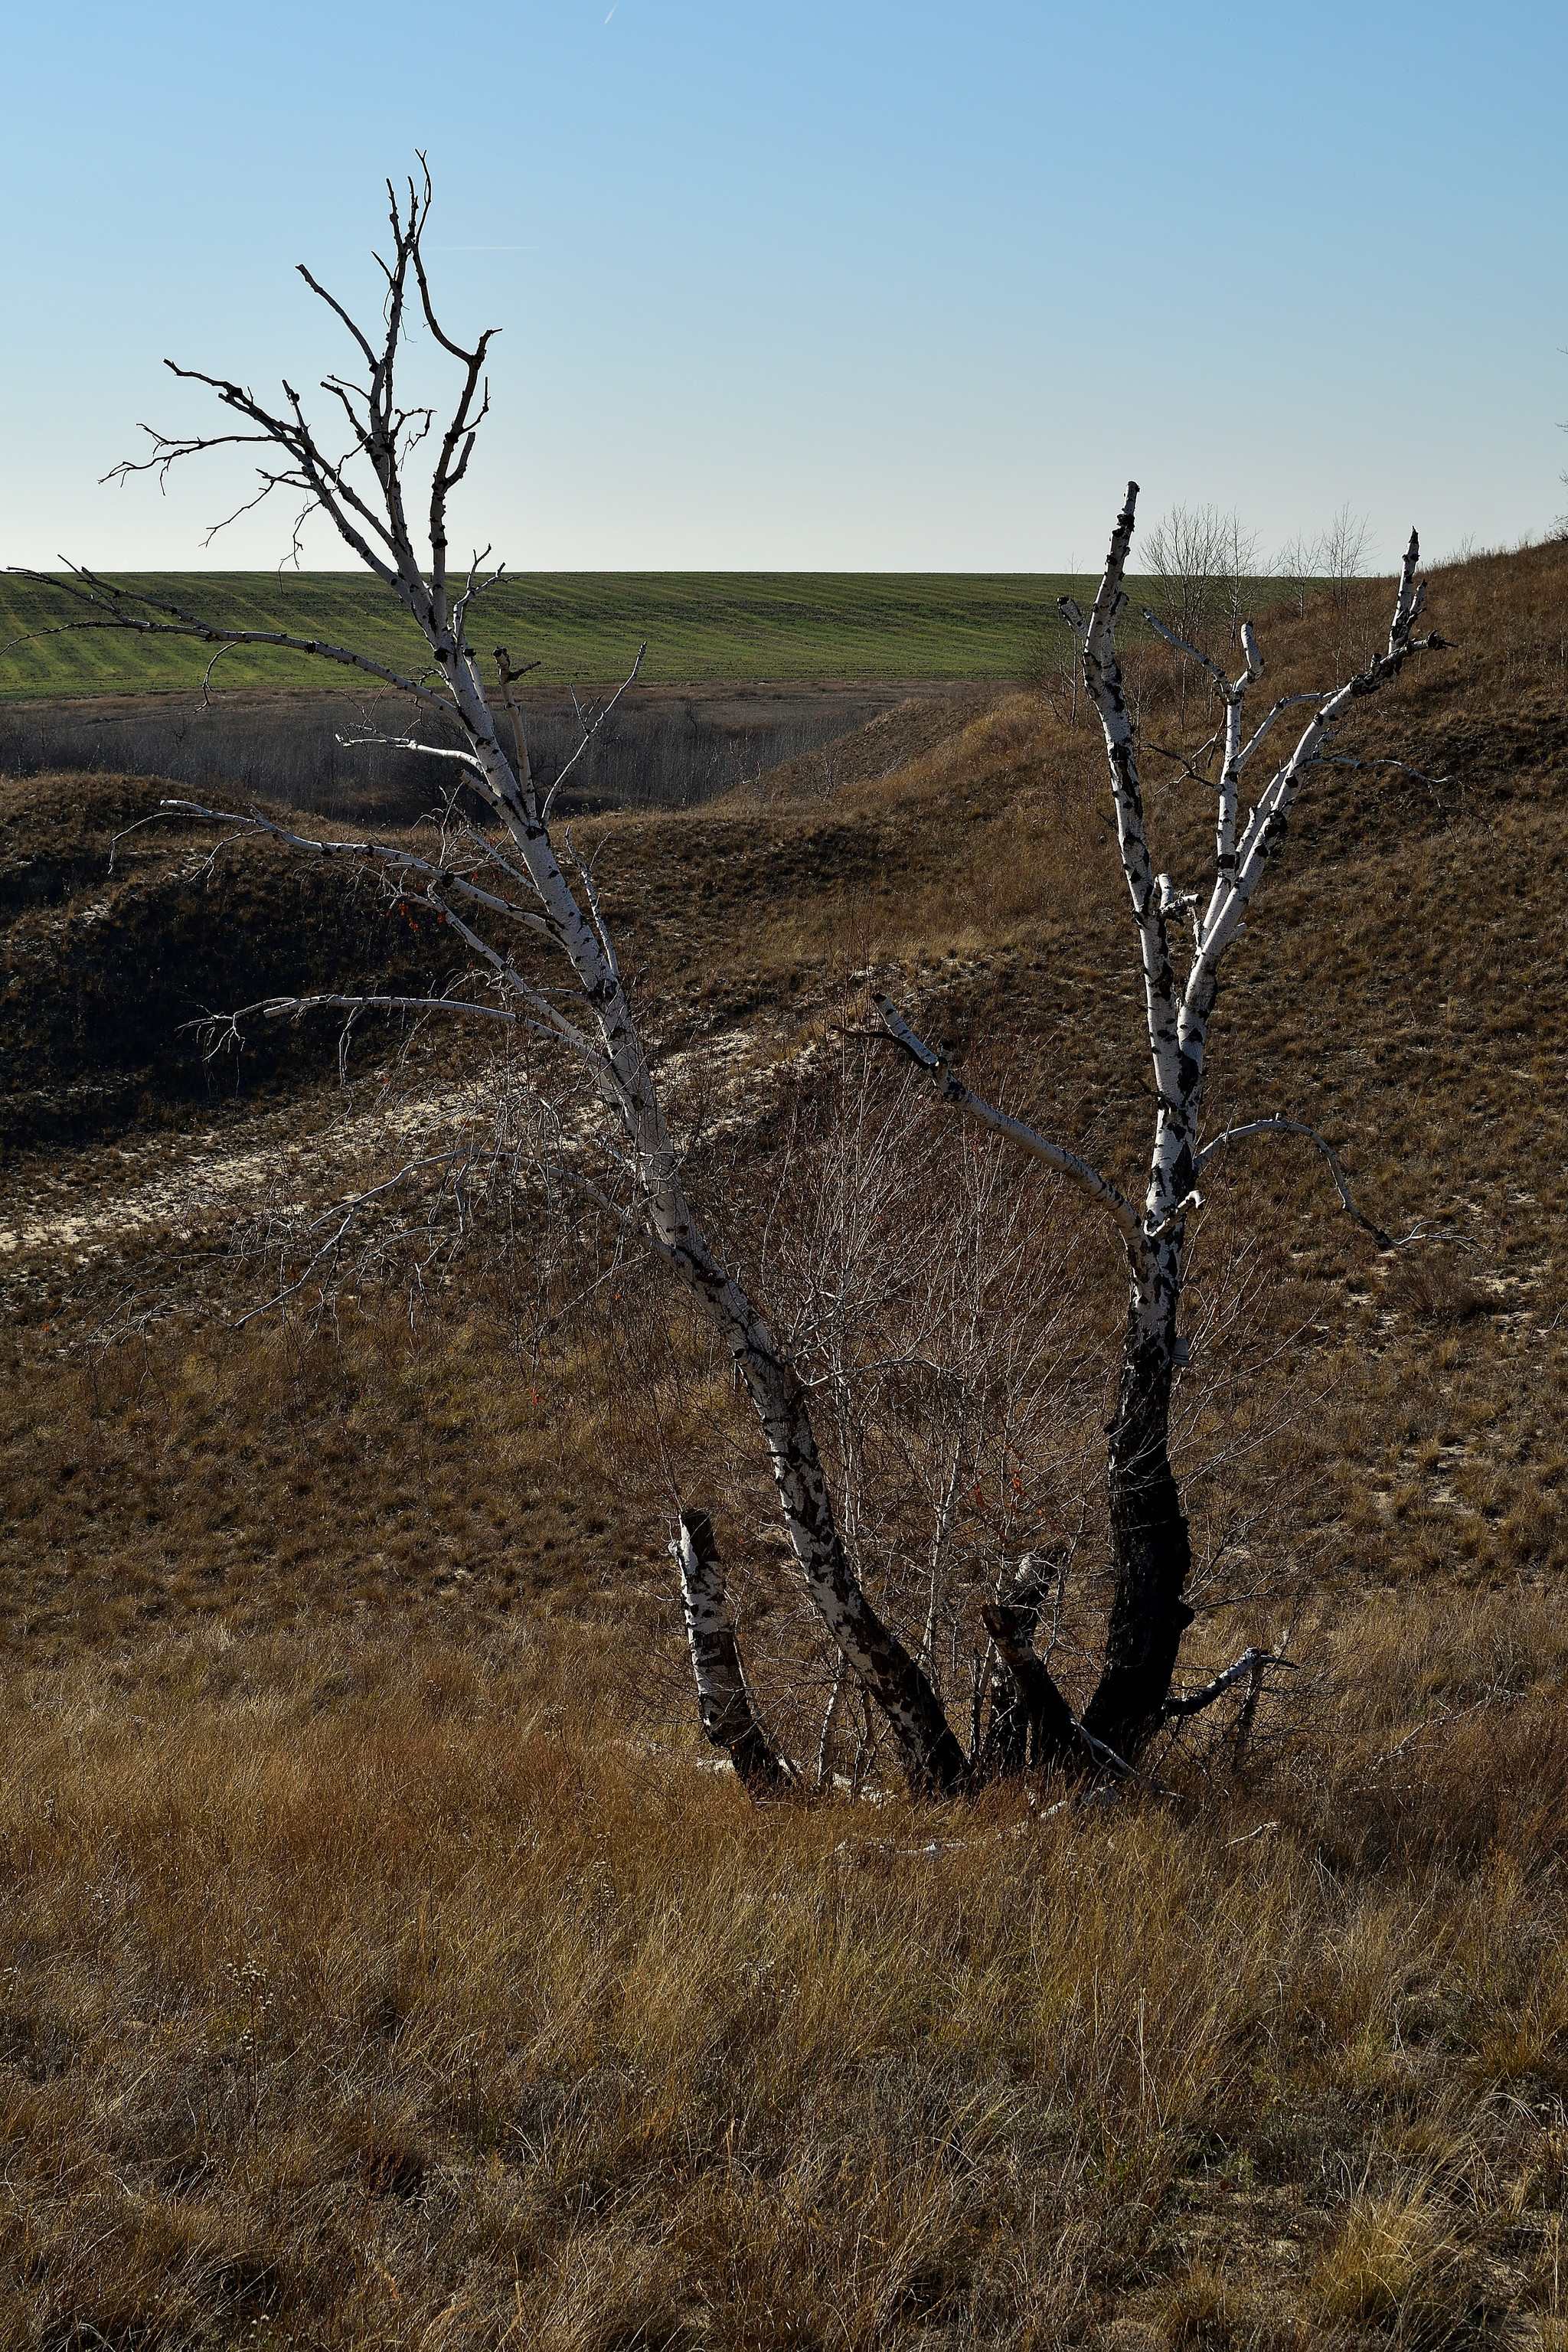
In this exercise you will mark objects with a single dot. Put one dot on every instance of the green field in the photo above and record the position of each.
(698, 625)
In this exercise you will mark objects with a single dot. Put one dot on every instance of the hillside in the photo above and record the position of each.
(698, 625)
(732, 626)
(382, 1967)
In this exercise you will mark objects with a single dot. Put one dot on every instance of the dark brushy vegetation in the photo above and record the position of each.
(381, 1966)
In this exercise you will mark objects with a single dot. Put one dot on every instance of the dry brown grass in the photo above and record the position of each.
(389, 1992)
(255, 1480)
(382, 1967)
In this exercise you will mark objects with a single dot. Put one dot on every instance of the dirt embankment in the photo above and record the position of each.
(116, 945)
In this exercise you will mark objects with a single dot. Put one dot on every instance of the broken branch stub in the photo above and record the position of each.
(723, 1700)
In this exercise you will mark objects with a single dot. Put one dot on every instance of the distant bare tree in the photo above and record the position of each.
(1299, 568)
(1149, 1542)
(1335, 561)
(1344, 550)
(1202, 563)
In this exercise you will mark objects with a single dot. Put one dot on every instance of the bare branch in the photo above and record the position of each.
(1105, 1754)
(1278, 1125)
(473, 589)
(1286, 703)
(585, 876)
(1417, 775)
(1251, 1663)
(370, 359)
(347, 1213)
(590, 730)
(276, 1008)
(1189, 764)
(952, 1090)
(207, 673)
(387, 853)
(372, 739)
(1194, 653)
(1237, 882)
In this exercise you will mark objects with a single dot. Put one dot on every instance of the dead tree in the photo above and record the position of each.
(1151, 1553)
(1200, 563)
(505, 893)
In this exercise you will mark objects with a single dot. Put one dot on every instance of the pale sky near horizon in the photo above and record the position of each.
(852, 286)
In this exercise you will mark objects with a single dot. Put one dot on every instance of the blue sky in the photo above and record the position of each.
(796, 286)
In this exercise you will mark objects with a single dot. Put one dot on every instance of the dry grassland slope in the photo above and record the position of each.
(379, 1968)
